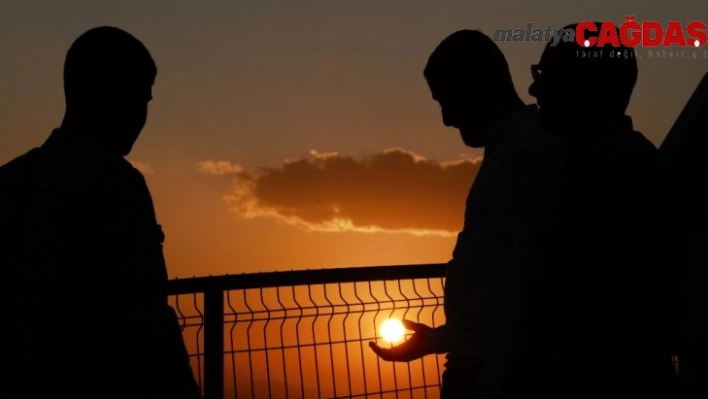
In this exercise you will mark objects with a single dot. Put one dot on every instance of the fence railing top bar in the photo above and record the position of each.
(305, 277)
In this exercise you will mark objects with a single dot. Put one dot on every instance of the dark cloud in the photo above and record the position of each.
(392, 191)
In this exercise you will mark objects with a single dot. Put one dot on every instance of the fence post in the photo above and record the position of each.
(214, 342)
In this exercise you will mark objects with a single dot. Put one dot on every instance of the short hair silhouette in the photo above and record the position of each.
(616, 72)
(106, 62)
(469, 54)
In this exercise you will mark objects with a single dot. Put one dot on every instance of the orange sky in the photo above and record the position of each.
(271, 121)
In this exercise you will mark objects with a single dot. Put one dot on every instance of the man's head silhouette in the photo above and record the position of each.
(469, 77)
(108, 78)
(576, 86)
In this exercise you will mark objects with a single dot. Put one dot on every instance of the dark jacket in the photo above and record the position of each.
(84, 280)
(594, 295)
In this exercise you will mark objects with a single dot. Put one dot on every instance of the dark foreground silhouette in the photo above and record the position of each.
(600, 312)
(469, 77)
(84, 278)
(684, 151)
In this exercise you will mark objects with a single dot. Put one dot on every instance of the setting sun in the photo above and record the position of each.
(392, 331)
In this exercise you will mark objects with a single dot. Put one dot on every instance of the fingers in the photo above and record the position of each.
(394, 354)
(413, 326)
(380, 352)
(375, 348)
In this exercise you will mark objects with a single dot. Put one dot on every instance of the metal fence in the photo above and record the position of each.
(305, 334)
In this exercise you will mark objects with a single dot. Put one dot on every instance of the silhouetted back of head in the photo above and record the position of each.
(469, 57)
(107, 62)
(108, 78)
(615, 68)
(469, 76)
(578, 84)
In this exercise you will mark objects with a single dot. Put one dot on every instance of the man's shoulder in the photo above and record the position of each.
(536, 145)
(21, 160)
(127, 179)
(535, 153)
(526, 133)
(538, 156)
(651, 161)
(642, 144)
(627, 158)
(637, 148)
(19, 166)
(130, 172)
(93, 161)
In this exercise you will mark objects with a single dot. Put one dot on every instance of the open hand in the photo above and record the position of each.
(417, 346)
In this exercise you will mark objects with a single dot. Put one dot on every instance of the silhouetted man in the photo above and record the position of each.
(469, 77)
(84, 276)
(684, 150)
(600, 316)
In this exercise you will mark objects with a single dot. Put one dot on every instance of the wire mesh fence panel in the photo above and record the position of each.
(189, 309)
(307, 336)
